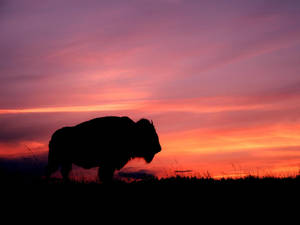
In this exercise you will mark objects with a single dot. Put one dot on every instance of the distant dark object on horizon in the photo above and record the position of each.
(183, 171)
(106, 142)
(141, 174)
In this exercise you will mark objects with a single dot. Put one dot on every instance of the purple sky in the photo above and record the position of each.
(202, 70)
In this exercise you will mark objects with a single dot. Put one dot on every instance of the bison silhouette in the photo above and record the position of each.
(105, 142)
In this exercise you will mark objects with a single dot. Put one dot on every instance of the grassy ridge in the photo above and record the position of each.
(152, 180)
(166, 192)
(181, 180)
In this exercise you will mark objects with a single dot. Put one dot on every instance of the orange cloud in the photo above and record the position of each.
(24, 147)
(104, 107)
(233, 139)
(194, 105)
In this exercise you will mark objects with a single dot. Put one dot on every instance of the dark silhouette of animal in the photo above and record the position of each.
(105, 142)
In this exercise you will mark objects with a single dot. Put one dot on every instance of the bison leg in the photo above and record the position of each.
(65, 170)
(106, 173)
(51, 168)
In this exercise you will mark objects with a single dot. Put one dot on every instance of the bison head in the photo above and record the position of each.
(148, 140)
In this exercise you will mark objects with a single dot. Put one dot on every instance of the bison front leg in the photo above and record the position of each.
(105, 174)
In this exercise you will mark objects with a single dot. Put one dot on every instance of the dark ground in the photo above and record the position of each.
(180, 193)
(187, 199)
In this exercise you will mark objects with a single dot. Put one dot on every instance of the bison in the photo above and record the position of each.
(105, 142)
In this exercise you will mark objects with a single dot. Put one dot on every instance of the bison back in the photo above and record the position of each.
(102, 140)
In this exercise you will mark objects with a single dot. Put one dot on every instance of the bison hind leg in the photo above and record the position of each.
(50, 169)
(65, 170)
(106, 173)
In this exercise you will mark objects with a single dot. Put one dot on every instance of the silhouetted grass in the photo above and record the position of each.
(169, 191)
(174, 180)
(248, 180)
(179, 181)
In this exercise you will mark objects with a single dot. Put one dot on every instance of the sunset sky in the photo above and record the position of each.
(219, 79)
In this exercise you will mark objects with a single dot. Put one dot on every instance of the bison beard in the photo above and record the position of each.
(106, 142)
